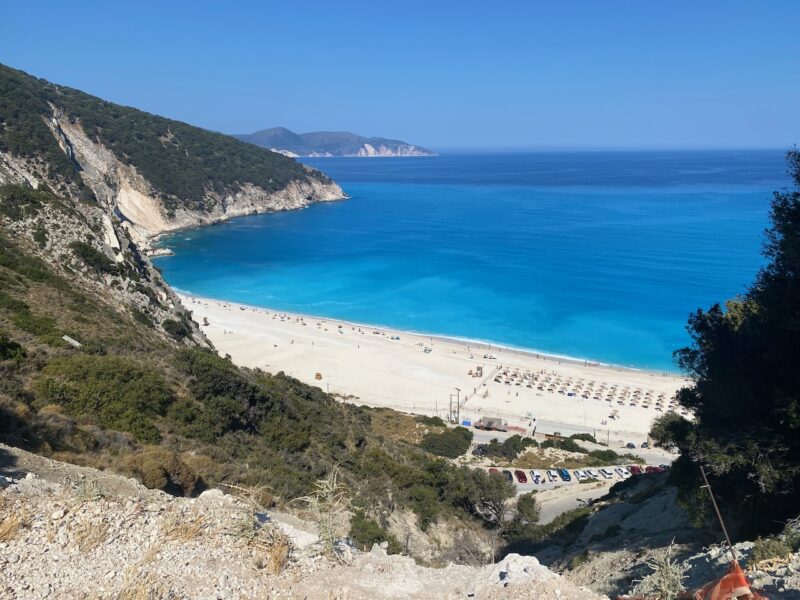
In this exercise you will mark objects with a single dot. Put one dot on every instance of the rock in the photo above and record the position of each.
(57, 514)
(384, 545)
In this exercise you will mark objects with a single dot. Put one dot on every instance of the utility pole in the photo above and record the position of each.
(458, 406)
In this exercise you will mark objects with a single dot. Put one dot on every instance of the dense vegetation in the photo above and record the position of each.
(746, 400)
(180, 418)
(184, 163)
(509, 448)
(449, 443)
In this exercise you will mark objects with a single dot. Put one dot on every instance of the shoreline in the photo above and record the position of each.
(433, 375)
(155, 238)
(477, 343)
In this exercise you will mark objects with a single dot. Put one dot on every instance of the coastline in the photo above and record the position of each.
(417, 373)
(440, 337)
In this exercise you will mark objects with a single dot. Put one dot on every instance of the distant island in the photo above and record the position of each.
(330, 143)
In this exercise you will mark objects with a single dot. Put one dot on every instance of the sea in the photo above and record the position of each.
(598, 256)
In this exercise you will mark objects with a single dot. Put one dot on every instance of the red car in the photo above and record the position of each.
(521, 477)
(635, 470)
(494, 471)
(652, 469)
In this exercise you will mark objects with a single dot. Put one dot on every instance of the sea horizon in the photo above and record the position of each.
(595, 256)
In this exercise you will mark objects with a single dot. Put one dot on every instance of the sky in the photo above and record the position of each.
(442, 74)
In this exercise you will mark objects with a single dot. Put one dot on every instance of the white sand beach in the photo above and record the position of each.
(418, 374)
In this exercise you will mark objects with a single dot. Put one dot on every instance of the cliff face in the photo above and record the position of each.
(134, 201)
(90, 183)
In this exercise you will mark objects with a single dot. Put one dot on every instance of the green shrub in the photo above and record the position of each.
(40, 235)
(586, 437)
(766, 548)
(9, 349)
(37, 325)
(18, 202)
(161, 469)
(567, 444)
(176, 329)
(431, 421)
(608, 457)
(450, 443)
(510, 448)
(93, 258)
(29, 267)
(12, 304)
(366, 532)
(120, 394)
(578, 560)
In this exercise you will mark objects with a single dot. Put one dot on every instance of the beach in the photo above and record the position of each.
(427, 375)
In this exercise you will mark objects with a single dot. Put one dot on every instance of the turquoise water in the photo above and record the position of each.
(591, 255)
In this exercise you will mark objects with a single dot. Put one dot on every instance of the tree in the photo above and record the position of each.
(746, 396)
(450, 443)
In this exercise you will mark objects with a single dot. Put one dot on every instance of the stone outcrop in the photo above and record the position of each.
(123, 191)
(73, 532)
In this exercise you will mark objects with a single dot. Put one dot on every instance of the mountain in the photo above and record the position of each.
(155, 174)
(101, 364)
(330, 143)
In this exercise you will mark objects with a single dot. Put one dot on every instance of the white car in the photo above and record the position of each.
(606, 473)
(622, 472)
(537, 476)
(580, 475)
(552, 476)
(593, 474)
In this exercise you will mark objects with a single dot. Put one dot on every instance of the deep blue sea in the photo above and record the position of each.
(597, 255)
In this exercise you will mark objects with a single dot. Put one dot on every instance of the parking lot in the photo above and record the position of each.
(592, 475)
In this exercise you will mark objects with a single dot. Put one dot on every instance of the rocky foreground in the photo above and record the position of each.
(71, 532)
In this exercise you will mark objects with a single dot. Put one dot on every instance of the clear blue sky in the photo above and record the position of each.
(622, 73)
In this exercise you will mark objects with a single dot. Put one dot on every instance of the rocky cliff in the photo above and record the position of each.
(86, 185)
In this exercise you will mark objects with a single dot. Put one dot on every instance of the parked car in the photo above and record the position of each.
(622, 472)
(521, 477)
(606, 473)
(509, 477)
(630, 446)
(593, 474)
(564, 474)
(552, 475)
(645, 445)
(536, 477)
(652, 469)
(635, 470)
(580, 475)
(494, 471)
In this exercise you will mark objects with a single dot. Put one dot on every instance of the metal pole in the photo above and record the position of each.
(458, 406)
(719, 515)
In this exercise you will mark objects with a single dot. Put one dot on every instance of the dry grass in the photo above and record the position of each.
(88, 535)
(271, 550)
(398, 427)
(138, 586)
(180, 529)
(270, 547)
(12, 524)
